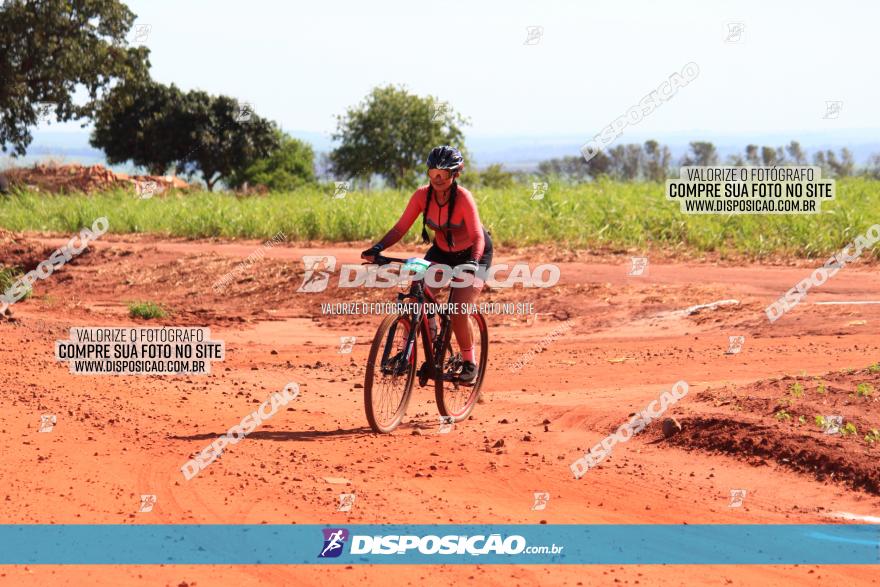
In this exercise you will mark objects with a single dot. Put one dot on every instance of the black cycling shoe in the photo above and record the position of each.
(468, 372)
(424, 373)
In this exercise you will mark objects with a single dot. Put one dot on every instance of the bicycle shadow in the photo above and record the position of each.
(287, 435)
(420, 425)
(417, 425)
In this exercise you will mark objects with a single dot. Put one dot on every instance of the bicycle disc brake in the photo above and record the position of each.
(395, 365)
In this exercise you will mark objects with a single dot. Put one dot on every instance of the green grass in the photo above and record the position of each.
(8, 276)
(796, 390)
(146, 310)
(783, 416)
(864, 390)
(601, 214)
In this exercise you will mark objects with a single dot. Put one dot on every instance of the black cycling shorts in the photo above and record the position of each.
(437, 255)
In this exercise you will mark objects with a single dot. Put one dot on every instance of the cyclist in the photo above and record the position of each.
(459, 238)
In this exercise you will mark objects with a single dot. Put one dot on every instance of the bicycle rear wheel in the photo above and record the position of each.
(454, 398)
(390, 374)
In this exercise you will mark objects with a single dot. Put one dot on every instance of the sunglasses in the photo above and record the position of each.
(441, 174)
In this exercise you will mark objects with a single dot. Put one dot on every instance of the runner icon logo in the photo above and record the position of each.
(334, 539)
(245, 111)
(146, 189)
(346, 501)
(440, 109)
(142, 32)
(639, 266)
(47, 422)
(735, 344)
(147, 503)
(737, 496)
(833, 424)
(735, 32)
(318, 269)
(446, 424)
(539, 189)
(533, 35)
(832, 109)
(345, 344)
(342, 188)
(541, 499)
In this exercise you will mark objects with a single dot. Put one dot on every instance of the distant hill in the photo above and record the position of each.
(515, 152)
(526, 152)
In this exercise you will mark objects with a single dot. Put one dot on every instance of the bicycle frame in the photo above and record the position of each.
(421, 295)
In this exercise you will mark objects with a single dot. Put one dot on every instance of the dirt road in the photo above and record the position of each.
(118, 437)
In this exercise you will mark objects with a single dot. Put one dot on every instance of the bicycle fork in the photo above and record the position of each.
(399, 363)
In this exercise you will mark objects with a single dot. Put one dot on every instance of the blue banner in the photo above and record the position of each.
(850, 544)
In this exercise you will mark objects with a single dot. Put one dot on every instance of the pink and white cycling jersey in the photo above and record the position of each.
(465, 225)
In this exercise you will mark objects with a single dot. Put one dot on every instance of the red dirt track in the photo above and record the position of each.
(118, 437)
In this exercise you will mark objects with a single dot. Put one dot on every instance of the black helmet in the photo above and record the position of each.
(445, 157)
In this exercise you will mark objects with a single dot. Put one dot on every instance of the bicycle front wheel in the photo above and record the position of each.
(390, 374)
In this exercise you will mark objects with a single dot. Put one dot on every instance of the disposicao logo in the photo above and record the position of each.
(334, 539)
(317, 275)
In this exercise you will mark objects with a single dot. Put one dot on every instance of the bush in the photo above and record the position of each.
(8, 276)
(290, 166)
(493, 176)
(146, 310)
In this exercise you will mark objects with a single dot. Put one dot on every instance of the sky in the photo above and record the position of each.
(304, 63)
(530, 96)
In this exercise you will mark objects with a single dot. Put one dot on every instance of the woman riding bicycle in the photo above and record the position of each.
(459, 238)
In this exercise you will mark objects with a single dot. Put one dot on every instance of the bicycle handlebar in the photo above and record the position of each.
(383, 260)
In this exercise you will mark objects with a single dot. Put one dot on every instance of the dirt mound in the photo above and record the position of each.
(20, 252)
(805, 453)
(791, 421)
(79, 178)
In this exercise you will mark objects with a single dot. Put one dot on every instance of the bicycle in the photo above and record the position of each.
(394, 352)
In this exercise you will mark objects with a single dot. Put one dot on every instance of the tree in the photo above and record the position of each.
(847, 165)
(833, 166)
(626, 161)
(700, 154)
(391, 133)
(157, 126)
(819, 161)
(600, 164)
(632, 161)
(493, 176)
(225, 136)
(288, 167)
(141, 123)
(771, 157)
(574, 168)
(752, 155)
(796, 154)
(872, 169)
(569, 169)
(656, 161)
(842, 167)
(52, 49)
